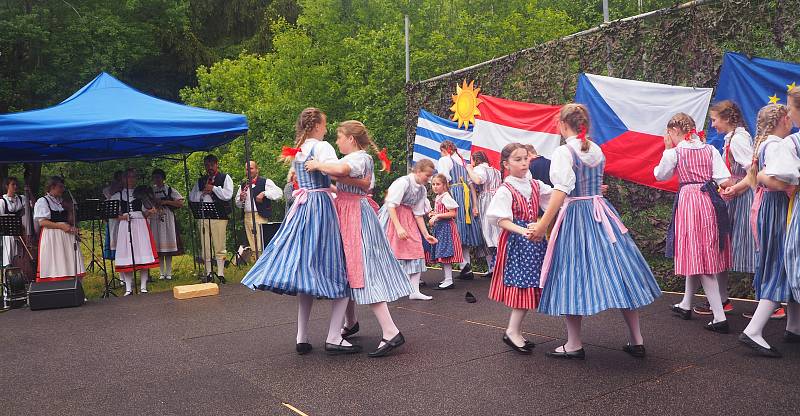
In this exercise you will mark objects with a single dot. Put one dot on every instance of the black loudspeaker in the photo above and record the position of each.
(58, 294)
(269, 229)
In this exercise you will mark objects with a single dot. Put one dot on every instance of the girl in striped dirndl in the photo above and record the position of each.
(592, 263)
(454, 168)
(699, 236)
(487, 179)
(402, 218)
(447, 249)
(374, 275)
(790, 161)
(770, 206)
(514, 207)
(305, 257)
(726, 118)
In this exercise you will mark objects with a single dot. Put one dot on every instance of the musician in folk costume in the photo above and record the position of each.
(265, 191)
(164, 226)
(13, 204)
(58, 258)
(216, 187)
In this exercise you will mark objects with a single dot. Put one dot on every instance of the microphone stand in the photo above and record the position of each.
(130, 236)
(76, 240)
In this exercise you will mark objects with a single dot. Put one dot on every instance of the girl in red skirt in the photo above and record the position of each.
(442, 221)
(515, 207)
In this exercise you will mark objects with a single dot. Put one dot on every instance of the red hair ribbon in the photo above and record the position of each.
(289, 152)
(582, 133)
(387, 163)
(701, 134)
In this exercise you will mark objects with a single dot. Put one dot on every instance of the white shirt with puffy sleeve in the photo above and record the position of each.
(500, 207)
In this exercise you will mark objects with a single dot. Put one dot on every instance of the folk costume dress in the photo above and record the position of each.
(469, 228)
(163, 225)
(57, 257)
(515, 281)
(373, 273)
(448, 249)
(699, 236)
(592, 263)
(738, 155)
(770, 214)
(787, 168)
(409, 199)
(305, 255)
(491, 182)
(144, 255)
(14, 206)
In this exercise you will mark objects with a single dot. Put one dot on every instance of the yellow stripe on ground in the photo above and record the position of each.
(294, 409)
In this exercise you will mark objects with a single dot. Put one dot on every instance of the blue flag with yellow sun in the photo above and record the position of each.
(753, 83)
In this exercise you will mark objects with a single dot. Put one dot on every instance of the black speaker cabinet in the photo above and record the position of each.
(269, 229)
(59, 294)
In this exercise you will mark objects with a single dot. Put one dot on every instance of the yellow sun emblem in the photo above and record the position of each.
(465, 104)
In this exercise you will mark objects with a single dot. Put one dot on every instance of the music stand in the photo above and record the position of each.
(10, 226)
(107, 210)
(207, 211)
(89, 210)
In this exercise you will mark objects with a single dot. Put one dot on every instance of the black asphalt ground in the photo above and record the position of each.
(233, 354)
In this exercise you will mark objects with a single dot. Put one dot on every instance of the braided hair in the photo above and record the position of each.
(730, 112)
(306, 122)
(576, 116)
(683, 122)
(768, 118)
(360, 133)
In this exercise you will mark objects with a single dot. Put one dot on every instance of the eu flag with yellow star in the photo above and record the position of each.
(753, 83)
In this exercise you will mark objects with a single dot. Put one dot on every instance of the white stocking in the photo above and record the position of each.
(167, 266)
(755, 328)
(710, 286)
(634, 331)
(793, 317)
(220, 267)
(388, 328)
(448, 274)
(208, 267)
(338, 309)
(466, 257)
(162, 265)
(127, 277)
(416, 294)
(514, 330)
(143, 275)
(304, 303)
(692, 284)
(574, 342)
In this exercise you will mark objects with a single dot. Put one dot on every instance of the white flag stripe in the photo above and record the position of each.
(438, 128)
(495, 136)
(646, 107)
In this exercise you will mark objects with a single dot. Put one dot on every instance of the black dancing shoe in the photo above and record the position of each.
(577, 355)
(522, 350)
(637, 351)
(720, 327)
(440, 287)
(685, 314)
(349, 332)
(387, 346)
(339, 349)
(791, 337)
(764, 352)
(529, 345)
(466, 273)
(303, 348)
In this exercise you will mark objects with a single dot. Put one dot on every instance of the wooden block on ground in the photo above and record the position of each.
(195, 291)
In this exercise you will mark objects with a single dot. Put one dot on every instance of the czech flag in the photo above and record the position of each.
(629, 120)
(504, 121)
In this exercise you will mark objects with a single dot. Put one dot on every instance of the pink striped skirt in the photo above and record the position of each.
(697, 244)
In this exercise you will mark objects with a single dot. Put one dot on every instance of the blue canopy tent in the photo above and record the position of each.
(107, 119)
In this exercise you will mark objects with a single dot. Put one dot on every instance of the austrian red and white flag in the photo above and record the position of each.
(504, 121)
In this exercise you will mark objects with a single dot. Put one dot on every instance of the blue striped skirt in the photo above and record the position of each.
(792, 250)
(305, 256)
(471, 234)
(384, 277)
(743, 244)
(770, 280)
(589, 274)
(413, 266)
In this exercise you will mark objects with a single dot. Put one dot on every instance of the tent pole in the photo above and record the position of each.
(191, 223)
(255, 230)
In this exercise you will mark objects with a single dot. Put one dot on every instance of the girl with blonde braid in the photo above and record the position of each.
(770, 206)
(699, 236)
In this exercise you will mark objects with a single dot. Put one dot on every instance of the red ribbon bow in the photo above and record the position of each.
(289, 152)
(582, 133)
(701, 134)
(385, 159)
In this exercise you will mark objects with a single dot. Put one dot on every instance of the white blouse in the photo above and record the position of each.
(41, 211)
(740, 144)
(445, 164)
(358, 162)
(447, 200)
(482, 172)
(669, 161)
(323, 151)
(398, 188)
(500, 207)
(561, 174)
(781, 160)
